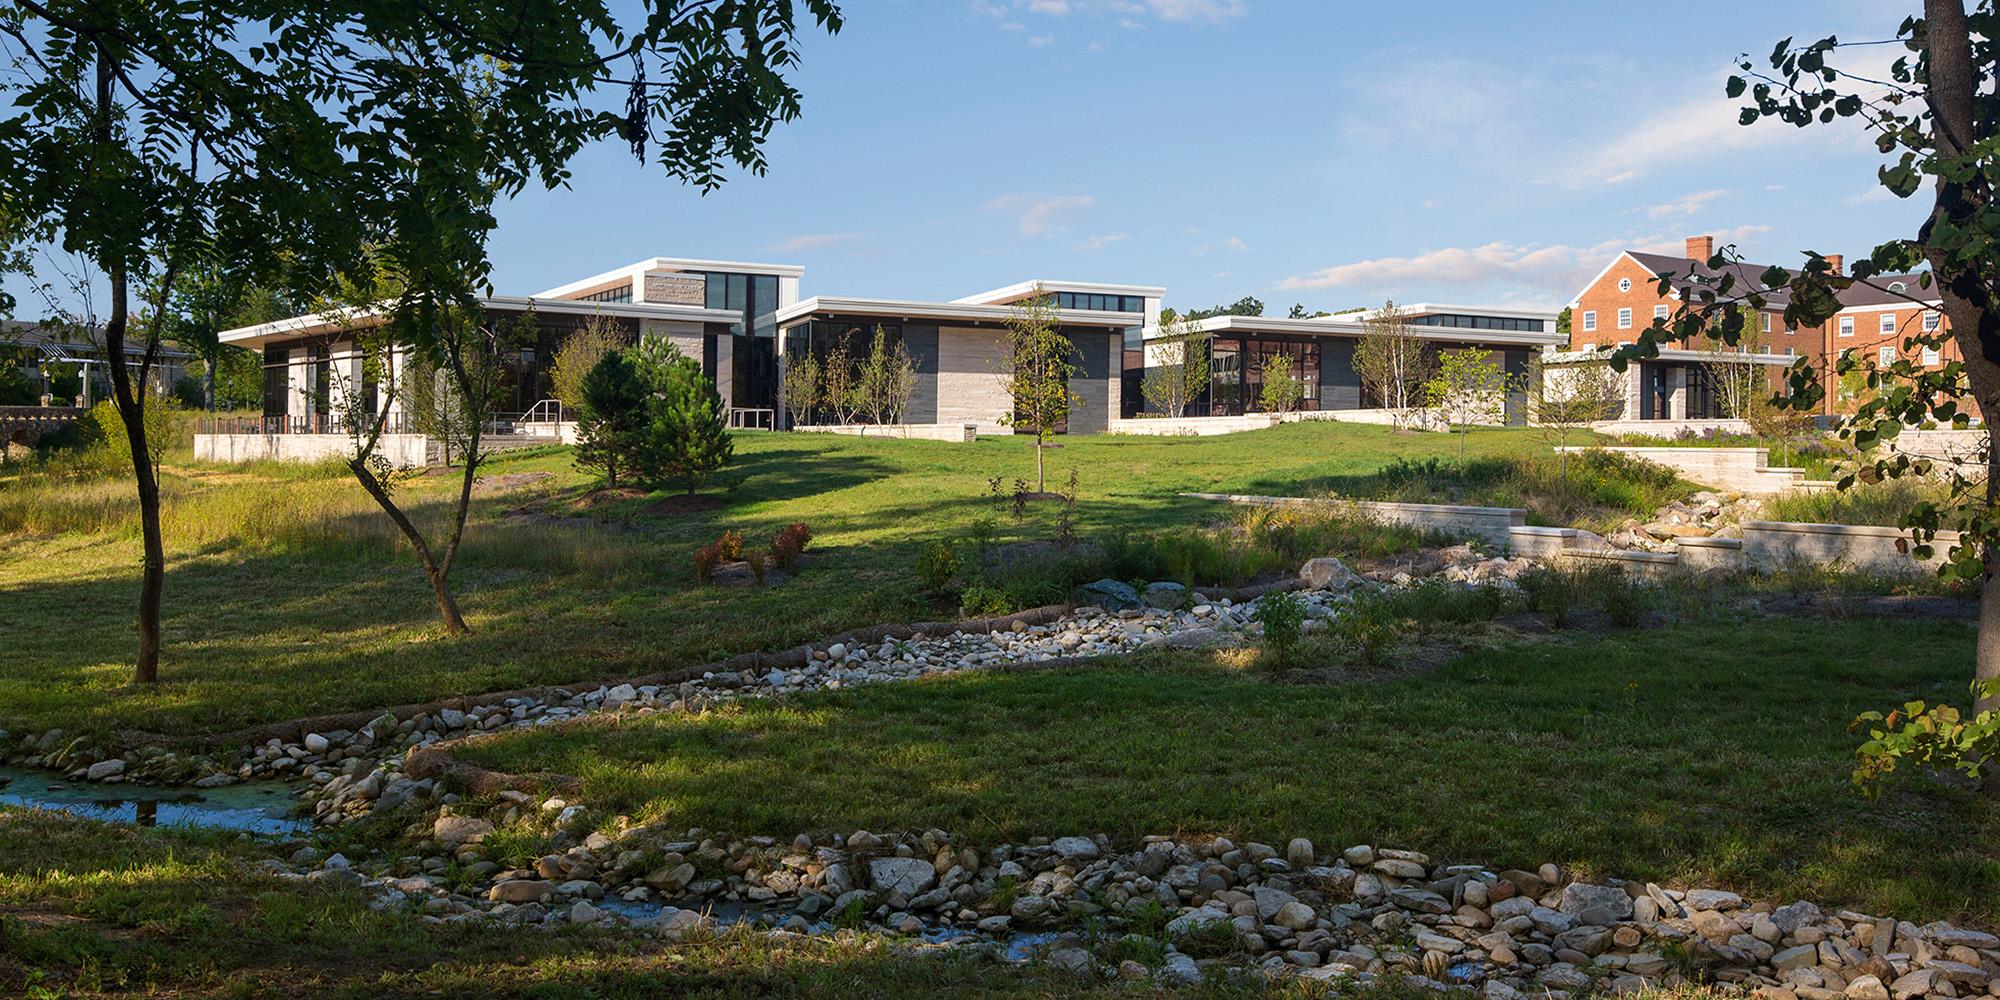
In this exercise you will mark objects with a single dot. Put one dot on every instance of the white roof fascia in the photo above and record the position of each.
(328, 322)
(1020, 288)
(632, 272)
(1433, 308)
(970, 312)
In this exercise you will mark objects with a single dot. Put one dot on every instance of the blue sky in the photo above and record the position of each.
(1328, 153)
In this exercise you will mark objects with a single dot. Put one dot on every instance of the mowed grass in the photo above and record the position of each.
(289, 594)
(97, 910)
(1712, 754)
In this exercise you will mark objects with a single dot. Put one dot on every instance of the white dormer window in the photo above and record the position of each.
(1590, 320)
(1897, 286)
(1624, 284)
(1847, 326)
(1930, 322)
(1625, 318)
(1888, 323)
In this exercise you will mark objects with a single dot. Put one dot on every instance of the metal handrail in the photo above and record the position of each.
(548, 411)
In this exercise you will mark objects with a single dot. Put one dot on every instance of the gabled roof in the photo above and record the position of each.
(1690, 277)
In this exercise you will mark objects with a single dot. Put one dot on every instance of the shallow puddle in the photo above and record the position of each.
(261, 807)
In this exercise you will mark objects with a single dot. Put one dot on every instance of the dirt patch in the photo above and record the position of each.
(607, 495)
(508, 481)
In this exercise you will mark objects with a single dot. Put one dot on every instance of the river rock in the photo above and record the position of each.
(461, 829)
(902, 876)
(1109, 594)
(522, 890)
(1165, 596)
(105, 769)
(1076, 848)
(1327, 573)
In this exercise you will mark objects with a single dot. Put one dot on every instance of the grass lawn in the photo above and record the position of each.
(1713, 753)
(92, 910)
(288, 593)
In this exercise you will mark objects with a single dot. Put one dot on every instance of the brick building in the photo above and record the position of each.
(1624, 299)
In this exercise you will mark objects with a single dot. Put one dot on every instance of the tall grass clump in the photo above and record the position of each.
(1593, 489)
(1884, 503)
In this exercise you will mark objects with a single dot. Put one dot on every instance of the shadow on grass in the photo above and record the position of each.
(1650, 755)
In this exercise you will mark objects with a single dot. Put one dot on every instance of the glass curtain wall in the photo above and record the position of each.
(1236, 372)
(826, 339)
(753, 370)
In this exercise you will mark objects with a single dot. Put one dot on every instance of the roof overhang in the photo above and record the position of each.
(353, 319)
(1445, 308)
(824, 305)
(1007, 293)
(682, 264)
(1327, 326)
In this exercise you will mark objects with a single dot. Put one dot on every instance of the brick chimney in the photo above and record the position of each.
(1835, 262)
(1700, 248)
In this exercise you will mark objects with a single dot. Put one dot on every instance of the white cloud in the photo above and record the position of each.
(1687, 204)
(812, 241)
(1040, 215)
(1192, 10)
(1518, 268)
(1096, 243)
(1042, 41)
(1235, 244)
(1874, 193)
(1053, 8)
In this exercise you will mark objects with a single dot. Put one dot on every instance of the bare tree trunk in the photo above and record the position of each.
(129, 397)
(434, 571)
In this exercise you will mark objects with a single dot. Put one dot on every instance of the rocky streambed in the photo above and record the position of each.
(1186, 905)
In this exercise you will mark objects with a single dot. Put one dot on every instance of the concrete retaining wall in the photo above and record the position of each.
(1769, 545)
(1192, 426)
(1764, 547)
(1669, 428)
(402, 450)
(954, 433)
(1489, 524)
(1742, 470)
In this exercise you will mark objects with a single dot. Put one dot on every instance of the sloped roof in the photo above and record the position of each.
(1868, 295)
(1690, 275)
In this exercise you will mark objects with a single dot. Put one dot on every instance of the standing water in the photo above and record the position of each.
(265, 807)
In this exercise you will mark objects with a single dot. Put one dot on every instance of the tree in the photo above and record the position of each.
(1566, 398)
(579, 355)
(687, 433)
(839, 381)
(1038, 364)
(611, 415)
(804, 385)
(1935, 119)
(1562, 322)
(1736, 378)
(146, 131)
(1281, 389)
(1178, 369)
(887, 377)
(1248, 305)
(1393, 362)
(1299, 312)
(1470, 388)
